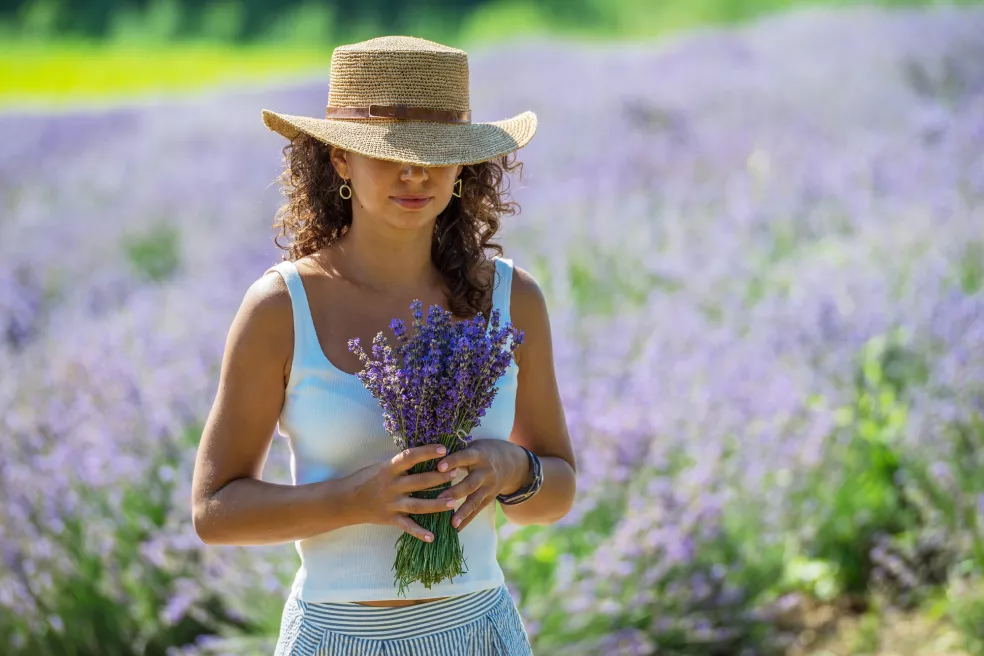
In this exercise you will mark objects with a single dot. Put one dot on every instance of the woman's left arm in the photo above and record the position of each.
(540, 424)
(497, 466)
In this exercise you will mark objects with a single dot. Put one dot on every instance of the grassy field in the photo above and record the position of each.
(79, 72)
(143, 58)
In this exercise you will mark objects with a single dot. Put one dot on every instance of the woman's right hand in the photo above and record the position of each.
(380, 493)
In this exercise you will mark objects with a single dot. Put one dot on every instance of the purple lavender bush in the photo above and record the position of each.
(767, 318)
(434, 387)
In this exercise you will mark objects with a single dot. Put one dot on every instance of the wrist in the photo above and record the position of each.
(520, 470)
(339, 495)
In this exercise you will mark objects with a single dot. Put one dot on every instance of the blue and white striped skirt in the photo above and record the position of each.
(483, 623)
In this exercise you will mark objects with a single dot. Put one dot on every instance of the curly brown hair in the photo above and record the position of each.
(316, 216)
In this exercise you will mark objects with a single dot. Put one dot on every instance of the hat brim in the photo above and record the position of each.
(422, 143)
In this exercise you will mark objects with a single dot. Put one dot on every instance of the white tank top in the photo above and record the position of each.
(335, 427)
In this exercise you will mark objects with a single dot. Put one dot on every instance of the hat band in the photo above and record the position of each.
(404, 112)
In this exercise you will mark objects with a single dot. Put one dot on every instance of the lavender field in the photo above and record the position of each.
(763, 252)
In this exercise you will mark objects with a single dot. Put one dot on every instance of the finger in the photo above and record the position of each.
(413, 528)
(423, 506)
(468, 510)
(463, 488)
(466, 457)
(407, 458)
(424, 481)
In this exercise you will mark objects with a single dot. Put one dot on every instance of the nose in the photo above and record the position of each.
(412, 173)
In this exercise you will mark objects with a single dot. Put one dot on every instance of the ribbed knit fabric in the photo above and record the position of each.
(335, 427)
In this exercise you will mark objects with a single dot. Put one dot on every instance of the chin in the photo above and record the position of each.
(411, 221)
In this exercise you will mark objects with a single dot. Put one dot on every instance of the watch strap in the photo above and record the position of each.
(529, 490)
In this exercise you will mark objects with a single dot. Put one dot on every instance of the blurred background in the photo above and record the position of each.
(759, 226)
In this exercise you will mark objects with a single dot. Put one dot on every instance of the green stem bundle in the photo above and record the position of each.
(430, 562)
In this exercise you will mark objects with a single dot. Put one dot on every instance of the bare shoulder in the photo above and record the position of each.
(528, 311)
(265, 320)
(525, 288)
(267, 300)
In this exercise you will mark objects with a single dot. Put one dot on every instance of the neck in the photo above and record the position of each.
(387, 260)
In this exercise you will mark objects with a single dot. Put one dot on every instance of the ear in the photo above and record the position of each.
(340, 162)
(458, 174)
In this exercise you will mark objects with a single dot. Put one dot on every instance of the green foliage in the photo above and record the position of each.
(155, 254)
(866, 500)
(940, 496)
(227, 21)
(867, 639)
(754, 567)
(970, 270)
(531, 556)
(603, 283)
(221, 20)
(953, 500)
(505, 20)
(966, 612)
(819, 578)
(308, 24)
(224, 20)
(39, 19)
(159, 22)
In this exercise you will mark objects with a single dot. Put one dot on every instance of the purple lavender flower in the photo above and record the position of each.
(438, 382)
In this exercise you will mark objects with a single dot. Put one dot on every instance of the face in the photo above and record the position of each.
(403, 196)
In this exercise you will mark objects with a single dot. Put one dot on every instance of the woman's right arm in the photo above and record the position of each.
(230, 502)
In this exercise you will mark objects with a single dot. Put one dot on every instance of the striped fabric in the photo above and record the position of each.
(483, 623)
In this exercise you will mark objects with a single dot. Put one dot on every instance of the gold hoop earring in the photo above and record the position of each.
(345, 189)
(458, 185)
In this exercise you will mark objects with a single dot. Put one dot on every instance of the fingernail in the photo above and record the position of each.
(441, 450)
(450, 504)
(456, 521)
(443, 466)
(428, 537)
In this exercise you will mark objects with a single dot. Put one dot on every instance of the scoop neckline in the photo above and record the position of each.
(314, 329)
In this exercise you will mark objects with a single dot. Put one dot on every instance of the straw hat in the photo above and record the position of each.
(405, 99)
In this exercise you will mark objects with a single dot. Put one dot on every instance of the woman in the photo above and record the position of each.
(394, 196)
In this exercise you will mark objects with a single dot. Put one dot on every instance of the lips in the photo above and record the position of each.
(411, 202)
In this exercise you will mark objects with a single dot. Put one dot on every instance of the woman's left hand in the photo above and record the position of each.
(494, 467)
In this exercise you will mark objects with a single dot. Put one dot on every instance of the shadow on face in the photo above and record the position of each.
(404, 194)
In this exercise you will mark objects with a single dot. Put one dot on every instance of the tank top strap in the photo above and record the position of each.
(304, 330)
(502, 291)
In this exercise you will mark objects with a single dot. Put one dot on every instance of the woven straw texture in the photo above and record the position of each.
(403, 70)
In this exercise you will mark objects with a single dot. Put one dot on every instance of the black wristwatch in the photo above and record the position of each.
(524, 493)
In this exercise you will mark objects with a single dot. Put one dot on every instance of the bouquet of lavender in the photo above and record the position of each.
(434, 387)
